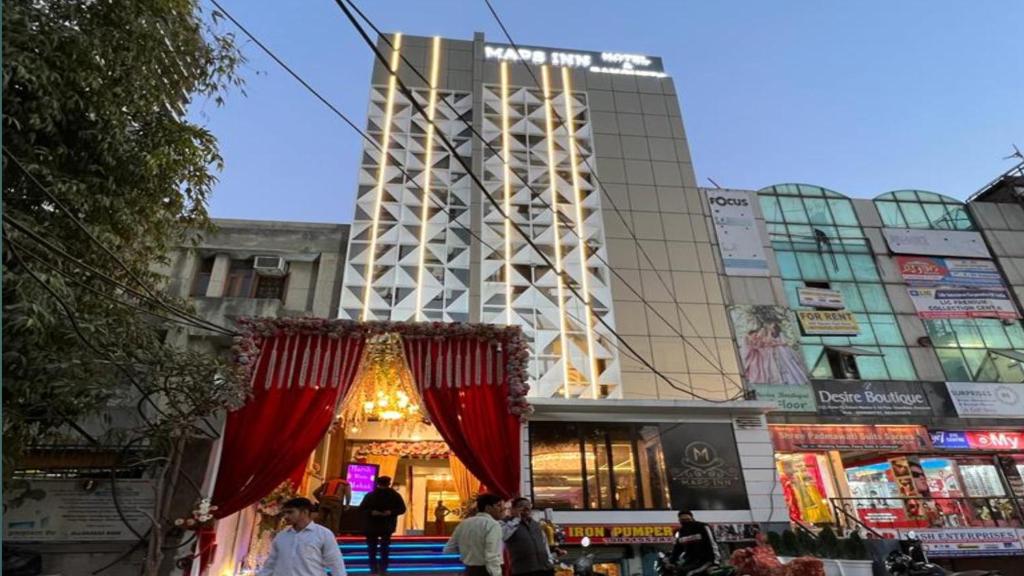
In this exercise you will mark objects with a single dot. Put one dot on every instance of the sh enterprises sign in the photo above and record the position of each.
(739, 239)
(881, 398)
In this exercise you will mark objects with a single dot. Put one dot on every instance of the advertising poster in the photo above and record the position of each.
(978, 439)
(931, 271)
(954, 542)
(769, 347)
(882, 398)
(69, 510)
(958, 303)
(361, 477)
(820, 298)
(798, 438)
(936, 242)
(704, 467)
(828, 322)
(739, 240)
(986, 399)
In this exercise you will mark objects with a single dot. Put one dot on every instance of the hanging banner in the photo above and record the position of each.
(931, 271)
(71, 510)
(959, 542)
(987, 399)
(769, 347)
(739, 239)
(797, 438)
(959, 303)
(882, 398)
(820, 298)
(828, 322)
(936, 242)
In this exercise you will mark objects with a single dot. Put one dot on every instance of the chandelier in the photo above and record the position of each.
(383, 390)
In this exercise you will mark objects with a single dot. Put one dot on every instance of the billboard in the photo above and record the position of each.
(828, 322)
(986, 399)
(958, 303)
(882, 398)
(797, 438)
(932, 271)
(68, 510)
(739, 239)
(769, 347)
(936, 242)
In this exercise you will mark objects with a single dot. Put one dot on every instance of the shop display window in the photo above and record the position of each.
(807, 485)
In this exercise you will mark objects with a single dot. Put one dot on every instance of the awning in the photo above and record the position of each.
(853, 351)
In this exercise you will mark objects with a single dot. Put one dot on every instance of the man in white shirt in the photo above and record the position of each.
(478, 539)
(305, 548)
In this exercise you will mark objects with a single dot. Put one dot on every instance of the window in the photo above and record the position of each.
(270, 287)
(239, 280)
(818, 242)
(978, 349)
(203, 273)
(920, 209)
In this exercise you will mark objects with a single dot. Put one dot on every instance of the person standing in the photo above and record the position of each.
(477, 540)
(440, 513)
(382, 507)
(695, 549)
(527, 543)
(305, 548)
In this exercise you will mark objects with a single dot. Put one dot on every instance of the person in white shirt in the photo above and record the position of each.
(478, 540)
(305, 548)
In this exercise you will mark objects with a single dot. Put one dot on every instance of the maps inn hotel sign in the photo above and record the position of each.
(597, 62)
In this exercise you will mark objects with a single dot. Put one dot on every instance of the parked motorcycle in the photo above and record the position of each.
(664, 567)
(912, 561)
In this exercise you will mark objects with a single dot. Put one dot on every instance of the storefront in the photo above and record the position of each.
(900, 477)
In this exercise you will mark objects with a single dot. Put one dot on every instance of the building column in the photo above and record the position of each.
(219, 276)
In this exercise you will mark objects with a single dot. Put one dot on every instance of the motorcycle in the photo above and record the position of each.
(912, 561)
(663, 566)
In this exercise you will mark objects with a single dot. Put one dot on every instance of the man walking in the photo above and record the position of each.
(305, 548)
(383, 506)
(477, 540)
(526, 541)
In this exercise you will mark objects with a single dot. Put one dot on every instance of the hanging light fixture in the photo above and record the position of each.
(383, 390)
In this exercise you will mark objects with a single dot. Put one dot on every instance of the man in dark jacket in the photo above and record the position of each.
(695, 549)
(527, 544)
(382, 507)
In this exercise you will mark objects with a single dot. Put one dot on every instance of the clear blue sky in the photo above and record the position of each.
(861, 97)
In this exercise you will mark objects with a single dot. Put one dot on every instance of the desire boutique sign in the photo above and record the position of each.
(598, 62)
(882, 398)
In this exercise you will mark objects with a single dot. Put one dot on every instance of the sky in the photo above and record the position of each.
(861, 97)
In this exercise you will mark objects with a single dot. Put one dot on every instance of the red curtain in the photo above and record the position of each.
(464, 384)
(297, 384)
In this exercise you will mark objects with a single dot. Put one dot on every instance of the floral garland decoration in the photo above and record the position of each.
(510, 338)
(419, 450)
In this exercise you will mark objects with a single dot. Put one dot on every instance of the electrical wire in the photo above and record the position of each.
(672, 382)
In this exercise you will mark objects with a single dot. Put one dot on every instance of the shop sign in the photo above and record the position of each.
(990, 400)
(828, 323)
(931, 271)
(66, 510)
(598, 62)
(958, 303)
(881, 398)
(787, 398)
(704, 467)
(936, 242)
(820, 298)
(739, 239)
(362, 479)
(620, 534)
(797, 438)
(978, 440)
(953, 542)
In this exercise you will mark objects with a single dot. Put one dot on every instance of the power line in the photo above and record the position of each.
(669, 380)
(131, 273)
(544, 203)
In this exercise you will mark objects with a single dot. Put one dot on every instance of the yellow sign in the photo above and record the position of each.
(828, 322)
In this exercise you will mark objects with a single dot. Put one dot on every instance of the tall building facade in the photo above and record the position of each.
(553, 189)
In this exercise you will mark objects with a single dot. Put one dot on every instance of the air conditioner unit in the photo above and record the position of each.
(270, 266)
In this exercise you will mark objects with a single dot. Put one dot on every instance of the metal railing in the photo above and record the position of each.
(932, 512)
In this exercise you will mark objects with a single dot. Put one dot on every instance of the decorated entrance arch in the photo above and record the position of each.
(471, 379)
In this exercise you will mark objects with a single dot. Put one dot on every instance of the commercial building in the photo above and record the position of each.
(888, 332)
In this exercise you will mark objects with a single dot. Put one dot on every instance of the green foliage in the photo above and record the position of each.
(95, 98)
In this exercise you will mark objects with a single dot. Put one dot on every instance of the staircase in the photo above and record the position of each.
(409, 555)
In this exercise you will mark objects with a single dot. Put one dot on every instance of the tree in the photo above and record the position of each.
(104, 174)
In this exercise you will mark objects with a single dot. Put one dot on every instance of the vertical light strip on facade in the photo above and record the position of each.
(381, 174)
(570, 126)
(506, 152)
(435, 60)
(553, 176)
